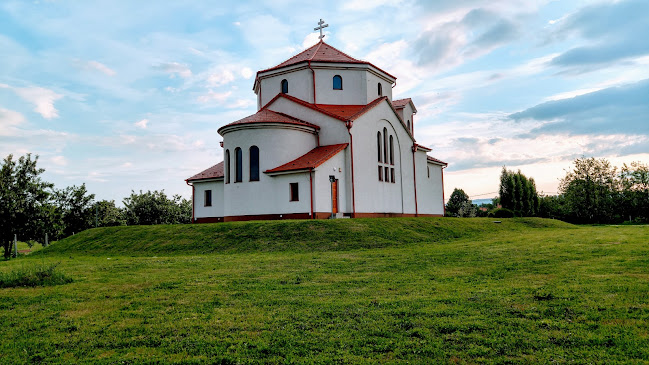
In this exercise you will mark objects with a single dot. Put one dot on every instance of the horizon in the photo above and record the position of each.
(126, 97)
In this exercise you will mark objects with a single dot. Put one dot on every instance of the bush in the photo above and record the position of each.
(35, 276)
(503, 213)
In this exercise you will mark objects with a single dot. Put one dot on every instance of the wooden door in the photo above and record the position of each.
(334, 194)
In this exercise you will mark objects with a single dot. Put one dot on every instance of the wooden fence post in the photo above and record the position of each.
(15, 245)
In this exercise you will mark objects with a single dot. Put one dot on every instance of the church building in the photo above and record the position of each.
(327, 140)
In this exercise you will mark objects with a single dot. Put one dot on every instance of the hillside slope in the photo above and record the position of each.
(294, 235)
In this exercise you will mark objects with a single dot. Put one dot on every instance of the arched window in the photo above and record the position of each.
(338, 82)
(254, 163)
(238, 165)
(391, 151)
(378, 145)
(284, 86)
(385, 145)
(380, 89)
(227, 166)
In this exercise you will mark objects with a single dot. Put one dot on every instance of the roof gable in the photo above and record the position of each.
(401, 103)
(311, 159)
(213, 172)
(269, 116)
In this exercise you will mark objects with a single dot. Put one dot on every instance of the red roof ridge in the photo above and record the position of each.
(311, 159)
(268, 116)
(213, 172)
(433, 159)
(304, 103)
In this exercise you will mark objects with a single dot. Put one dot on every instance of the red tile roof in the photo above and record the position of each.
(311, 159)
(269, 116)
(343, 111)
(398, 104)
(321, 52)
(213, 172)
(433, 159)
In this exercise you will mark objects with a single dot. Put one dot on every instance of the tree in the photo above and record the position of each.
(518, 193)
(107, 214)
(24, 199)
(457, 202)
(634, 181)
(155, 208)
(590, 190)
(75, 204)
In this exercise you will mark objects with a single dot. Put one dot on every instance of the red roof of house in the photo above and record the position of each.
(433, 159)
(398, 104)
(311, 159)
(343, 111)
(269, 116)
(321, 52)
(213, 172)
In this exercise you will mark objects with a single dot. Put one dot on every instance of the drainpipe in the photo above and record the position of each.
(313, 74)
(414, 175)
(443, 198)
(311, 188)
(193, 190)
(349, 125)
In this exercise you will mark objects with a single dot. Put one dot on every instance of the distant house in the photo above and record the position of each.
(327, 136)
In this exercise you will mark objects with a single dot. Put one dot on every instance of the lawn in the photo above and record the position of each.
(411, 290)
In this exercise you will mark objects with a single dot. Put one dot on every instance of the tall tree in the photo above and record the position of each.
(75, 204)
(156, 208)
(457, 202)
(107, 214)
(24, 199)
(634, 180)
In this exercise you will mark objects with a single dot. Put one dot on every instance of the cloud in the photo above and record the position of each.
(615, 31)
(8, 120)
(59, 160)
(214, 96)
(622, 109)
(175, 69)
(142, 124)
(95, 66)
(43, 99)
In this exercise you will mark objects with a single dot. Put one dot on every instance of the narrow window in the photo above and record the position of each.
(391, 151)
(378, 145)
(408, 124)
(387, 174)
(254, 163)
(380, 173)
(227, 166)
(392, 174)
(295, 194)
(428, 168)
(284, 86)
(338, 82)
(380, 89)
(208, 198)
(385, 145)
(238, 165)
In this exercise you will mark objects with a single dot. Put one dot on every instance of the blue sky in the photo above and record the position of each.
(125, 95)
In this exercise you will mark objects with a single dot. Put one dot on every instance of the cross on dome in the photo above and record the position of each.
(321, 27)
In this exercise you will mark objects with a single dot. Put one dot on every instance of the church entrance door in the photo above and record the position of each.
(334, 196)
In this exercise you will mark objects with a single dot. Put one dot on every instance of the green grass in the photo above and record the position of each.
(346, 291)
(33, 276)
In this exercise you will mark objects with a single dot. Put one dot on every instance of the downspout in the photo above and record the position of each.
(193, 198)
(311, 188)
(349, 125)
(443, 198)
(313, 74)
(414, 175)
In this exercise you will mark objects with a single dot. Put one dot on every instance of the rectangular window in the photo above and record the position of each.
(295, 194)
(392, 174)
(387, 174)
(208, 198)
(428, 168)
(380, 173)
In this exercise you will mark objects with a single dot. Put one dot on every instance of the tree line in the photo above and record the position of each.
(592, 192)
(31, 207)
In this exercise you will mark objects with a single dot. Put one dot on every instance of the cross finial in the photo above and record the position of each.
(322, 25)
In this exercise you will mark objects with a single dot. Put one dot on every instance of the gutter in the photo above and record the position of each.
(349, 125)
(311, 188)
(414, 175)
(193, 198)
(313, 74)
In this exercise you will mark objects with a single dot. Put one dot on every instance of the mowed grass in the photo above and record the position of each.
(348, 291)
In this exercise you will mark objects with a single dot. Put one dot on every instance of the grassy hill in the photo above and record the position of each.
(294, 235)
(417, 291)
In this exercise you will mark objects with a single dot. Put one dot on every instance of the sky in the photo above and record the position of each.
(128, 95)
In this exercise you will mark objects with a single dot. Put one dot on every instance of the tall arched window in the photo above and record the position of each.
(378, 145)
(284, 86)
(238, 165)
(338, 82)
(385, 145)
(391, 151)
(227, 166)
(254, 163)
(380, 89)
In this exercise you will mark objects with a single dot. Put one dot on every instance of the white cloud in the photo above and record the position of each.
(246, 73)
(8, 120)
(221, 77)
(95, 66)
(214, 96)
(142, 124)
(59, 160)
(42, 98)
(176, 69)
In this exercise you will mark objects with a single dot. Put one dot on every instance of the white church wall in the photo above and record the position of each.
(407, 116)
(332, 130)
(352, 93)
(429, 187)
(277, 146)
(372, 82)
(300, 85)
(216, 209)
(322, 187)
(371, 194)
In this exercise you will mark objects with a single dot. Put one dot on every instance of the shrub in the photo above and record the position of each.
(503, 213)
(35, 276)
